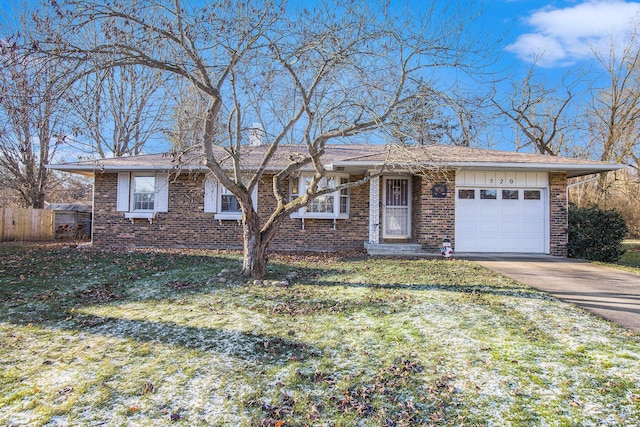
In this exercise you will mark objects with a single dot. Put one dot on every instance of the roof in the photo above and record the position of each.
(73, 207)
(354, 158)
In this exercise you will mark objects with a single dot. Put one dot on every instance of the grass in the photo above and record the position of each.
(631, 257)
(630, 260)
(94, 337)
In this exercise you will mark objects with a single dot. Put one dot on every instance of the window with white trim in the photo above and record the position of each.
(219, 200)
(344, 197)
(330, 205)
(143, 189)
(142, 194)
(228, 201)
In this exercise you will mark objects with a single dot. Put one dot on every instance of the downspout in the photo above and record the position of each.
(576, 184)
(93, 205)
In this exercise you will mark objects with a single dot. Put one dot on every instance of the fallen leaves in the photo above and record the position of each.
(276, 413)
(381, 394)
(100, 294)
(68, 389)
(318, 352)
(148, 387)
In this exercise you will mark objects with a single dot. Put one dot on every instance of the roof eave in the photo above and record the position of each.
(91, 170)
(572, 170)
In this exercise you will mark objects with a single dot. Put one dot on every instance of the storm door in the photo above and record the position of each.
(396, 214)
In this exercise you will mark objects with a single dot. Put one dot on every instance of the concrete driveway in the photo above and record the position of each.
(606, 292)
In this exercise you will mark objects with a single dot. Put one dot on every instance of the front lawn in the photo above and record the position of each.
(630, 260)
(631, 257)
(168, 338)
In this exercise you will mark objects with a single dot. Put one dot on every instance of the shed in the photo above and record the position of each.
(72, 221)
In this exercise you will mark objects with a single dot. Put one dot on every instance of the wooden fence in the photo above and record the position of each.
(26, 224)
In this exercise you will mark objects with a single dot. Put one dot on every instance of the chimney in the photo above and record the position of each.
(256, 134)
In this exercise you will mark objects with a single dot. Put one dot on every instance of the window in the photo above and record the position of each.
(219, 200)
(143, 193)
(329, 205)
(510, 194)
(294, 188)
(532, 194)
(488, 194)
(466, 194)
(344, 197)
(228, 202)
(324, 203)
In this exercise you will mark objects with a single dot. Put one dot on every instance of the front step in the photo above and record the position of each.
(393, 248)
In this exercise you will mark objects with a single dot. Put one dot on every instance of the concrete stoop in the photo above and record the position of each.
(392, 249)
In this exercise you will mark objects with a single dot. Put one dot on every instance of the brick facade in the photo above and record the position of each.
(433, 217)
(558, 213)
(186, 225)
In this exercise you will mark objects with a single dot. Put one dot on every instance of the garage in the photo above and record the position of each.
(502, 212)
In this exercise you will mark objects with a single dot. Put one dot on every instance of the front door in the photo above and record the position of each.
(396, 213)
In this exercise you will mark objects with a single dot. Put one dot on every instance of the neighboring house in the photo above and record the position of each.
(483, 200)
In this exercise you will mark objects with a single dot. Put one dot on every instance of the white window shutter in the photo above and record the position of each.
(254, 197)
(162, 193)
(122, 199)
(210, 194)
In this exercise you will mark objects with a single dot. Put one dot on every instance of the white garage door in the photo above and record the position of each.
(501, 220)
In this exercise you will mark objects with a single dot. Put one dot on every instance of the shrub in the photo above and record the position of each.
(596, 234)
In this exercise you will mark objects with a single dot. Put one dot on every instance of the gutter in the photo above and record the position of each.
(580, 182)
(495, 165)
(578, 168)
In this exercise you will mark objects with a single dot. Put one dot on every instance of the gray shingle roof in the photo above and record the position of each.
(354, 157)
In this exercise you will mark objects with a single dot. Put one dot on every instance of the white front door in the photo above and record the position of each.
(396, 212)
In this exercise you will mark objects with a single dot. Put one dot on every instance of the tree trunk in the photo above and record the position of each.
(255, 249)
(602, 188)
(38, 200)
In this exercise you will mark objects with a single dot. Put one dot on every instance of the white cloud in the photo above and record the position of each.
(566, 35)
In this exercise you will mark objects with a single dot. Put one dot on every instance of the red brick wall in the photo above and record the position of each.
(187, 225)
(433, 218)
(558, 213)
(319, 234)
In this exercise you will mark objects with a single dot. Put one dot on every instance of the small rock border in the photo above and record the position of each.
(287, 281)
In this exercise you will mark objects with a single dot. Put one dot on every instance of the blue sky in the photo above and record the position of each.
(564, 32)
(561, 33)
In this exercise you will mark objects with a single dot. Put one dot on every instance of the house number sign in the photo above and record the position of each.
(501, 181)
(439, 191)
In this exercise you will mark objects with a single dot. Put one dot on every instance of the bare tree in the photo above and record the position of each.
(539, 112)
(120, 109)
(67, 188)
(437, 117)
(313, 76)
(614, 114)
(33, 108)
(190, 106)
